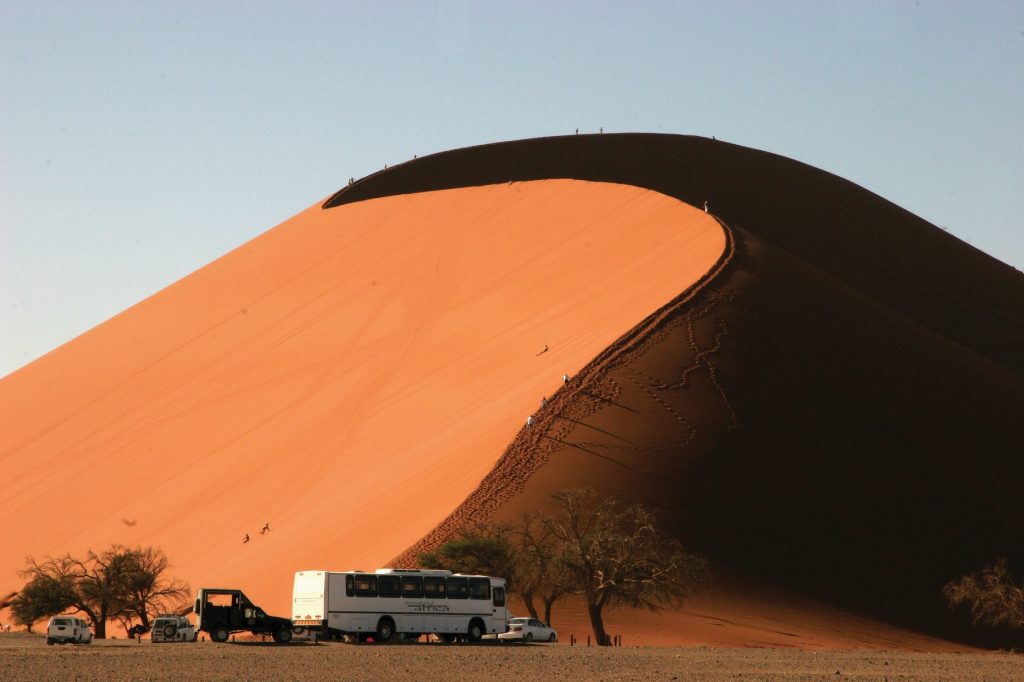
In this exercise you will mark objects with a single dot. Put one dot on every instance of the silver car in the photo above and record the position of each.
(529, 630)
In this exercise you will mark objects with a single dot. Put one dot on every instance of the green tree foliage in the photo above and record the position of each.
(483, 549)
(120, 582)
(992, 595)
(50, 590)
(613, 554)
(522, 554)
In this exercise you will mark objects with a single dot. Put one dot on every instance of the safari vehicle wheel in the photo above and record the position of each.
(220, 635)
(385, 630)
(476, 631)
(529, 637)
(552, 638)
(283, 636)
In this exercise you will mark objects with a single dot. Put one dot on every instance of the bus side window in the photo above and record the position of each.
(412, 586)
(366, 586)
(433, 588)
(499, 596)
(350, 586)
(458, 588)
(479, 588)
(388, 586)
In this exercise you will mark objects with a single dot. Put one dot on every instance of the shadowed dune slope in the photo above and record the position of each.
(836, 411)
(349, 377)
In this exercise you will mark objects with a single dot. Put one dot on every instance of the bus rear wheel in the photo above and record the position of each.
(385, 630)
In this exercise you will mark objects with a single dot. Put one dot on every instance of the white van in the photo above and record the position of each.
(63, 629)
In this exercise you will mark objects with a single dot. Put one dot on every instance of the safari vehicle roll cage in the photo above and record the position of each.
(240, 615)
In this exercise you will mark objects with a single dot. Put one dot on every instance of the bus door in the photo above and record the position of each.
(499, 611)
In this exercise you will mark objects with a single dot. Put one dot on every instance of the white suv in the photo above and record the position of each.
(63, 629)
(173, 629)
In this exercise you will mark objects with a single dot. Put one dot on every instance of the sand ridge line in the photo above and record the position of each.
(584, 394)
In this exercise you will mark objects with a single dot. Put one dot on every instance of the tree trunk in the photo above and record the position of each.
(548, 603)
(528, 601)
(597, 623)
(100, 623)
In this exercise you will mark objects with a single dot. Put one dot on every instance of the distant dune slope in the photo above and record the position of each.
(836, 411)
(349, 377)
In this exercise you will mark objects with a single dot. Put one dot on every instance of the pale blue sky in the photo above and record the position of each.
(141, 140)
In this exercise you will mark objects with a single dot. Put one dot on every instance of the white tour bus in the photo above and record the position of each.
(396, 600)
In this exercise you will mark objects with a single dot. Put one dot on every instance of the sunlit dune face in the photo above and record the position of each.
(349, 377)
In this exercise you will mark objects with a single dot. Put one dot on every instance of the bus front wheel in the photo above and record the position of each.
(476, 631)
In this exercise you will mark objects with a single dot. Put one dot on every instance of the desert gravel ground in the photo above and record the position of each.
(26, 657)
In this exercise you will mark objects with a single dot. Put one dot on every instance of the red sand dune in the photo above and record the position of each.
(349, 376)
(822, 393)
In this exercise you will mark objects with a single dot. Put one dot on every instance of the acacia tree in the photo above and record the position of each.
(147, 588)
(612, 553)
(112, 584)
(481, 548)
(523, 554)
(49, 591)
(540, 573)
(993, 596)
(102, 585)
